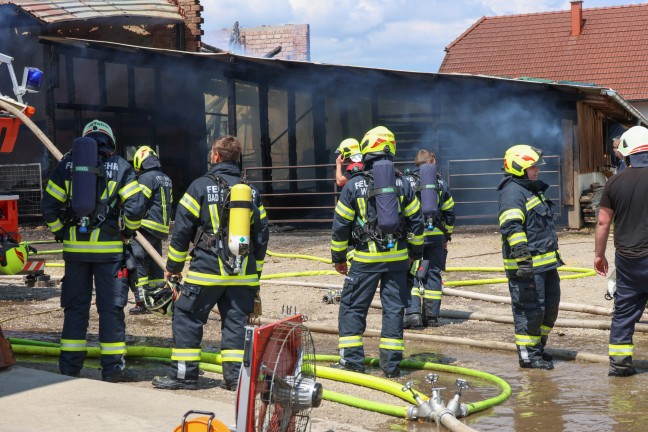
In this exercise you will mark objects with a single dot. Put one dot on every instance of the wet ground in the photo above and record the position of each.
(575, 396)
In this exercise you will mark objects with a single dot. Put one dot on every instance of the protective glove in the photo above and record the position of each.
(525, 269)
(128, 235)
(58, 236)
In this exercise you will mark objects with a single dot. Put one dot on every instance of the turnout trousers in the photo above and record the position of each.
(428, 302)
(190, 314)
(629, 304)
(358, 292)
(76, 297)
(148, 272)
(534, 302)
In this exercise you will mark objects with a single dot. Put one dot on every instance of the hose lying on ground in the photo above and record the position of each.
(212, 362)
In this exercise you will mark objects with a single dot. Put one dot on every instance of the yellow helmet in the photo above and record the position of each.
(377, 140)
(349, 147)
(634, 140)
(12, 258)
(520, 157)
(141, 154)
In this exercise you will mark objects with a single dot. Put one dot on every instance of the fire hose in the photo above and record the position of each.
(210, 361)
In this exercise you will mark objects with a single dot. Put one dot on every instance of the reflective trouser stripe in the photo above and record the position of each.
(416, 291)
(526, 340)
(232, 356)
(73, 345)
(185, 354)
(349, 341)
(112, 348)
(620, 350)
(392, 344)
(433, 295)
(545, 330)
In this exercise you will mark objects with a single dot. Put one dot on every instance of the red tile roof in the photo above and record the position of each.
(611, 51)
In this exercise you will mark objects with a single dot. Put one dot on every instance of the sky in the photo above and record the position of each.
(388, 34)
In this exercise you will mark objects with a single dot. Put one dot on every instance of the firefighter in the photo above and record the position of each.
(348, 152)
(620, 165)
(202, 218)
(374, 261)
(157, 190)
(94, 249)
(623, 203)
(438, 232)
(530, 252)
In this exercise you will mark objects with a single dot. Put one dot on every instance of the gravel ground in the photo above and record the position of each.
(34, 312)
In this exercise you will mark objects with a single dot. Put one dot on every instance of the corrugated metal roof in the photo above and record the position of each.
(610, 51)
(56, 11)
(605, 99)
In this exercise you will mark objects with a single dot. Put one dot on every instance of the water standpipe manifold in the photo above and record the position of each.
(434, 408)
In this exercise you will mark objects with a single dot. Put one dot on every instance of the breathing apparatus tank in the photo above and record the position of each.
(240, 216)
(85, 160)
(429, 193)
(386, 198)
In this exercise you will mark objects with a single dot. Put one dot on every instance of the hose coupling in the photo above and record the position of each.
(332, 296)
(453, 404)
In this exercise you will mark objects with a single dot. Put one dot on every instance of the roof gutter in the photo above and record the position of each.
(632, 110)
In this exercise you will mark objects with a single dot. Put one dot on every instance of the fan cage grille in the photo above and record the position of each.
(288, 352)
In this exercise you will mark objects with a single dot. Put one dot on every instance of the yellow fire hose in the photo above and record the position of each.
(212, 362)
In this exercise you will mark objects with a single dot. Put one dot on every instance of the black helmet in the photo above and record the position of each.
(159, 299)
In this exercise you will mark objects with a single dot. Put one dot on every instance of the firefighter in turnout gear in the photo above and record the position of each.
(348, 152)
(424, 278)
(530, 252)
(378, 257)
(93, 248)
(157, 190)
(624, 203)
(214, 278)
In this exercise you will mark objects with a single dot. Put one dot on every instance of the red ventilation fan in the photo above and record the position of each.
(277, 387)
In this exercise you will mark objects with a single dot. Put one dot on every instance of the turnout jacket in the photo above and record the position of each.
(370, 256)
(105, 242)
(527, 217)
(200, 207)
(446, 216)
(157, 190)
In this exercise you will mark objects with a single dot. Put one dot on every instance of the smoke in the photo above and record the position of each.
(486, 117)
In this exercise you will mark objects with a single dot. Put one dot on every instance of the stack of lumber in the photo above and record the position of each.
(589, 201)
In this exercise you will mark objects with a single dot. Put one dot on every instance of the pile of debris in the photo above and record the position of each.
(589, 201)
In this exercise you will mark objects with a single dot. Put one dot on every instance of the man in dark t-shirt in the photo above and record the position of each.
(625, 202)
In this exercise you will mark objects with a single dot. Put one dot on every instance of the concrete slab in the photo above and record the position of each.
(32, 400)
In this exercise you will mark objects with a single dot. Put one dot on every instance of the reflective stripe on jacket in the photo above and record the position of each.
(351, 209)
(103, 243)
(157, 190)
(200, 207)
(527, 217)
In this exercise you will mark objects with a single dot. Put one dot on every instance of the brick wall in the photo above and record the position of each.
(191, 11)
(294, 40)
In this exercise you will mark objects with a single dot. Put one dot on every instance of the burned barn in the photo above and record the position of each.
(290, 116)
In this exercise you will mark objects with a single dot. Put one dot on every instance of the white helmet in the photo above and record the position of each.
(633, 141)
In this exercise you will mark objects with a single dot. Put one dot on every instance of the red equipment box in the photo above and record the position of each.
(9, 216)
(9, 126)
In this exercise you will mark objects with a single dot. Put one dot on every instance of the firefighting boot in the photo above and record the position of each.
(413, 321)
(139, 309)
